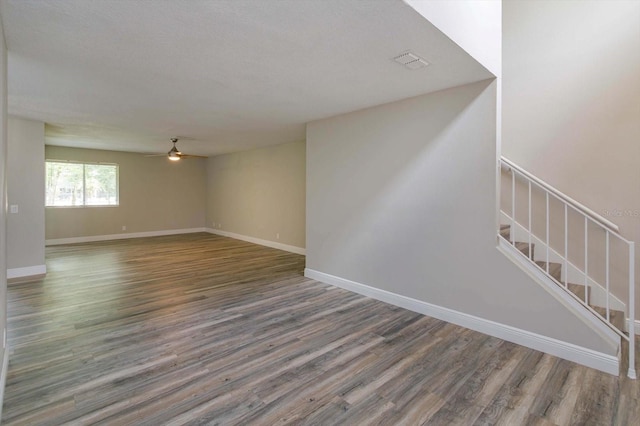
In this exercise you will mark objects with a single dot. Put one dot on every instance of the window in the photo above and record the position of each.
(81, 184)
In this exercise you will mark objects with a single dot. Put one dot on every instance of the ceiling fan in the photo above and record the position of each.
(174, 153)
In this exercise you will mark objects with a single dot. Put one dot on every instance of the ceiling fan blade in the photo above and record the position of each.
(155, 155)
(192, 156)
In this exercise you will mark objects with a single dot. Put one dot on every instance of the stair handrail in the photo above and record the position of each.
(584, 209)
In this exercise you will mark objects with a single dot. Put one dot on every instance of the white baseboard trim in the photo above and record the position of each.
(259, 241)
(3, 377)
(27, 271)
(75, 240)
(584, 356)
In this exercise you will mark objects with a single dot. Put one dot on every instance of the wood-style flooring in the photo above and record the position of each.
(201, 329)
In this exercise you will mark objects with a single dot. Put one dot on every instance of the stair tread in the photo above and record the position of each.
(578, 290)
(520, 245)
(524, 248)
(505, 231)
(617, 318)
(555, 269)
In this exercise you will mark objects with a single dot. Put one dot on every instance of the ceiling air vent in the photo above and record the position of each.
(411, 60)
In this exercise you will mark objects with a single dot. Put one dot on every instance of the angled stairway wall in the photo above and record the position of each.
(401, 203)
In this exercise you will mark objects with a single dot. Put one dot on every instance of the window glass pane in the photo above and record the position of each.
(76, 184)
(64, 184)
(101, 185)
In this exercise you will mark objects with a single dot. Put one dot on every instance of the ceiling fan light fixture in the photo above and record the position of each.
(174, 154)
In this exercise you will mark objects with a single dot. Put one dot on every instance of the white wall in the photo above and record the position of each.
(4, 354)
(25, 182)
(475, 25)
(259, 194)
(401, 197)
(571, 98)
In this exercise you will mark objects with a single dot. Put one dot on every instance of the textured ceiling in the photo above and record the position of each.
(230, 75)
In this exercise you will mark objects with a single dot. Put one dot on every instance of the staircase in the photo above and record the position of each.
(579, 291)
(582, 254)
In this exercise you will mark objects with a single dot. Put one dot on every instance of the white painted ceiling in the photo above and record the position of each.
(229, 74)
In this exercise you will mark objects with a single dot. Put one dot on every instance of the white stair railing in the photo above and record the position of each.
(610, 230)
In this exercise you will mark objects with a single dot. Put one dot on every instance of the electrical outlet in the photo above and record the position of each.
(14, 208)
(124, 227)
(219, 225)
(278, 236)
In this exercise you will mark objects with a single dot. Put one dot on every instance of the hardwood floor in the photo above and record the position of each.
(202, 329)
